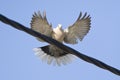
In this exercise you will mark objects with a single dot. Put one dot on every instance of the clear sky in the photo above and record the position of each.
(17, 60)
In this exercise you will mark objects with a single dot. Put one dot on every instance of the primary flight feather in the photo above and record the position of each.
(51, 53)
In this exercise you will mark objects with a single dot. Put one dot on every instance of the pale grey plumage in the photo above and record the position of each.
(40, 24)
(70, 35)
(78, 30)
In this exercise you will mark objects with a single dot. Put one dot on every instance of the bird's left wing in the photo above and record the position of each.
(78, 30)
(40, 24)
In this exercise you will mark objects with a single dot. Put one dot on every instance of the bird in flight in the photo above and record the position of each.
(63, 58)
(71, 35)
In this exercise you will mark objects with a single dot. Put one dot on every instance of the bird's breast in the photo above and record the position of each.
(58, 35)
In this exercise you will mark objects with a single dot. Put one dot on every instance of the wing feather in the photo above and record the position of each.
(40, 24)
(78, 30)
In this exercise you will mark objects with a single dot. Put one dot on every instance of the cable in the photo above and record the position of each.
(59, 45)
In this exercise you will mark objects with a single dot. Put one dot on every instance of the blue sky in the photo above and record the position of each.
(17, 60)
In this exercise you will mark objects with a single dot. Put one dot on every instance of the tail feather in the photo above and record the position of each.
(44, 54)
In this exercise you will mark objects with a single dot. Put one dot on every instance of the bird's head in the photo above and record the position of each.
(59, 26)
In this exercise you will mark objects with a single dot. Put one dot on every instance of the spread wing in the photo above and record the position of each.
(40, 24)
(78, 30)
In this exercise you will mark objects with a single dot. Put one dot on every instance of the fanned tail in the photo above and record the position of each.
(46, 56)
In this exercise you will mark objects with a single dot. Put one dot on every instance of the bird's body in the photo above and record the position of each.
(70, 35)
(58, 33)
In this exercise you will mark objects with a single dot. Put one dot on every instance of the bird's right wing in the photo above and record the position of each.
(78, 30)
(40, 24)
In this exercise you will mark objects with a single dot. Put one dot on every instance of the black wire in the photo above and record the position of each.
(60, 45)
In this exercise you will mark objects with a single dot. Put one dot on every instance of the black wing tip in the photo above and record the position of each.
(39, 15)
(83, 16)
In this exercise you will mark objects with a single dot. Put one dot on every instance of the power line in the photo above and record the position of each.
(59, 45)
